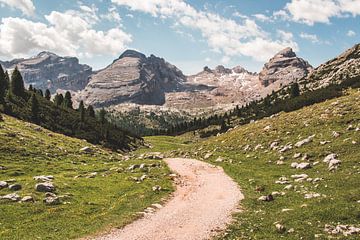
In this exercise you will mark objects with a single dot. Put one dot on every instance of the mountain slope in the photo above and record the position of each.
(94, 187)
(264, 157)
(50, 71)
(343, 67)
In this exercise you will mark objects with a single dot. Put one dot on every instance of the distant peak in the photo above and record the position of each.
(133, 54)
(46, 54)
(287, 52)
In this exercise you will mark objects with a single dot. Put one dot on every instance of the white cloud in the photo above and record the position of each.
(112, 15)
(68, 33)
(320, 11)
(25, 6)
(351, 33)
(311, 37)
(226, 36)
(262, 17)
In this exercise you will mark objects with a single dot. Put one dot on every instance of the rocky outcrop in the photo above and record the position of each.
(284, 68)
(341, 68)
(50, 71)
(134, 78)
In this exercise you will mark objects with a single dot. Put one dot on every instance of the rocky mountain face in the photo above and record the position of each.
(344, 66)
(284, 68)
(50, 71)
(134, 78)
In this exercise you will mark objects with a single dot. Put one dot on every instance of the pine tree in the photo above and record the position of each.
(47, 95)
(67, 100)
(82, 111)
(34, 107)
(90, 111)
(102, 115)
(31, 89)
(40, 92)
(2, 84)
(59, 99)
(7, 80)
(294, 90)
(17, 84)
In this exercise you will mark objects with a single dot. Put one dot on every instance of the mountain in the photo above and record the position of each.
(284, 68)
(135, 78)
(343, 67)
(50, 71)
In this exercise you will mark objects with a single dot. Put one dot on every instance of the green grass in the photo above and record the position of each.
(342, 187)
(111, 199)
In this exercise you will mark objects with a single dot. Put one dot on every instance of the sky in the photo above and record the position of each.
(190, 34)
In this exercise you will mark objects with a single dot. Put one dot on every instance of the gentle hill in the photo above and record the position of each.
(94, 189)
(262, 157)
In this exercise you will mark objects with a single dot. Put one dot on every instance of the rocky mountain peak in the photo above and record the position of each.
(285, 67)
(222, 70)
(286, 53)
(132, 54)
(46, 54)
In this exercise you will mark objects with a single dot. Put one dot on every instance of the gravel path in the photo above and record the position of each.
(200, 208)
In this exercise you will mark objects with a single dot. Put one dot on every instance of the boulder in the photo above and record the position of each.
(267, 198)
(3, 184)
(305, 141)
(45, 187)
(15, 187)
(44, 178)
(303, 165)
(11, 197)
(86, 150)
(52, 201)
(27, 199)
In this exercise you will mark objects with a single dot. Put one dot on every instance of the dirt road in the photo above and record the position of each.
(200, 208)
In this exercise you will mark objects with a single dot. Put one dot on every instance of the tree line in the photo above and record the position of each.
(58, 114)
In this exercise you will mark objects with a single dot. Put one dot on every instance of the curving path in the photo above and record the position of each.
(201, 206)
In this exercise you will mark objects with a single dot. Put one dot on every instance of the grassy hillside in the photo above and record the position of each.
(246, 155)
(95, 189)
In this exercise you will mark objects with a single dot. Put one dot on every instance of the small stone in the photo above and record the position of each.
(335, 134)
(207, 156)
(303, 165)
(294, 165)
(304, 141)
(219, 159)
(133, 167)
(45, 187)
(52, 201)
(156, 188)
(289, 187)
(15, 187)
(11, 197)
(44, 178)
(280, 228)
(3, 184)
(297, 155)
(267, 198)
(27, 199)
(86, 150)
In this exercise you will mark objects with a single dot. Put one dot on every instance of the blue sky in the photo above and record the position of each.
(188, 33)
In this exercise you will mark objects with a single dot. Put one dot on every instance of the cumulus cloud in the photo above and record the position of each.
(112, 15)
(226, 36)
(320, 11)
(68, 33)
(25, 6)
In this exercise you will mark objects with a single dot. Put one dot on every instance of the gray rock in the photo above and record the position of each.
(52, 201)
(15, 187)
(3, 184)
(11, 197)
(44, 178)
(267, 198)
(133, 167)
(303, 165)
(156, 188)
(304, 141)
(86, 150)
(27, 199)
(45, 187)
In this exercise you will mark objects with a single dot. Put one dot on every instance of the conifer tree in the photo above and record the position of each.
(17, 84)
(67, 100)
(2, 84)
(31, 88)
(40, 92)
(294, 90)
(59, 99)
(102, 115)
(90, 111)
(47, 95)
(34, 107)
(82, 111)
(7, 80)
